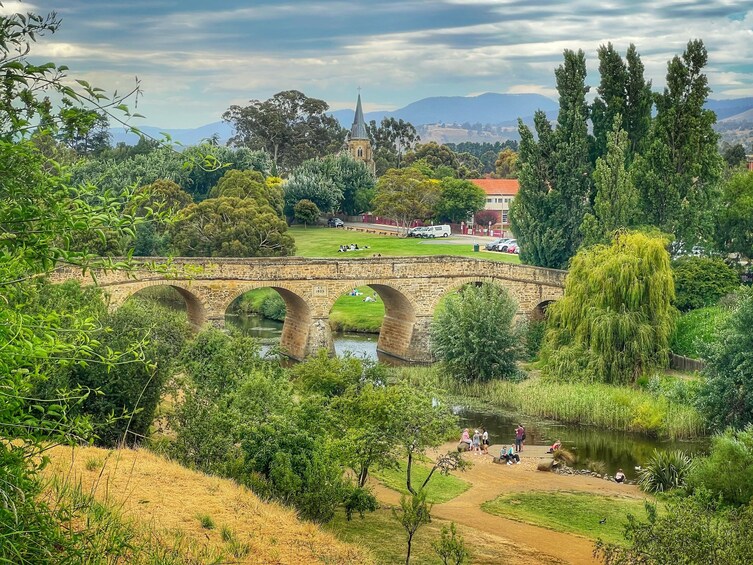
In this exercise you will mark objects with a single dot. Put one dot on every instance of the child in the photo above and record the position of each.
(476, 442)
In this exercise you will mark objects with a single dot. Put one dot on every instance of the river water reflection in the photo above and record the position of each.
(613, 450)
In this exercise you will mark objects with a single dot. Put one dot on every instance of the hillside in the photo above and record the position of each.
(165, 502)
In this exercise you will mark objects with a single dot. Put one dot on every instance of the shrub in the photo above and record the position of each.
(727, 395)
(728, 471)
(451, 547)
(474, 336)
(702, 281)
(534, 338)
(664, 471)
(697, 328)
(563, 455)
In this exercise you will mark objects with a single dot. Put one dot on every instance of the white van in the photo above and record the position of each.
(437, 231)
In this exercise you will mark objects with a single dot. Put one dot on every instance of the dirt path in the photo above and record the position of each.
(489, 480)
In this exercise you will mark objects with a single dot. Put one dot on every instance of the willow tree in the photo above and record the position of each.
(616, 319)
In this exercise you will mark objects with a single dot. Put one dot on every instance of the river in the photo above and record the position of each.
(593, 447)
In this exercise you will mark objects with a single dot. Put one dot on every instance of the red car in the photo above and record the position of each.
(513, 248)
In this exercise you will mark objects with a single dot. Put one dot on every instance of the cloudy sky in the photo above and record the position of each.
(195, 58)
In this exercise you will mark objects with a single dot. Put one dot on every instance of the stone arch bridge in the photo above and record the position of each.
(409, 287)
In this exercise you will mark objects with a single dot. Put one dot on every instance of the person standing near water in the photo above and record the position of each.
(485, 441)
(519, 431)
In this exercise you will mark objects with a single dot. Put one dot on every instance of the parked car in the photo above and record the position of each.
(335, 223)
(505, 247)
(437, 231)
(504, 243)
(492, 246)
(513, 248)
(417, 231)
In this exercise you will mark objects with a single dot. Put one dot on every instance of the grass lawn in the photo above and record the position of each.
(324, 242)
(576, 513)
(441, 488)
(381, 534)
(352, 314)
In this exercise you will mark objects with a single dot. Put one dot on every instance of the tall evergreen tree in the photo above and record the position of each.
(677, 174)
(555, 175)
(637, 116)
(616, 200)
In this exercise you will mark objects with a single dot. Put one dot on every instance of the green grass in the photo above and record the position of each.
(324, 242)
(381, 534)
(575, 513)
(697, 327)
(352, 314)
(441, 488)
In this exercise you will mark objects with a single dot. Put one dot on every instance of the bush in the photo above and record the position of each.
(702, 281)
(727, 395)
(664, 471)
(697, 328)
(534, 338)
(691, 531)
(474, 336)
(728, 471)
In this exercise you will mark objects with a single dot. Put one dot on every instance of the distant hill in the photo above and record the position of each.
(457, 118)
(489, 108)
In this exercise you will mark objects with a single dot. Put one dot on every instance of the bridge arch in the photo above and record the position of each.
(297, 326)
(196, 310)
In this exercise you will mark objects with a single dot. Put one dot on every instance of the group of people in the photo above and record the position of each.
(351, 247)
(478, 443)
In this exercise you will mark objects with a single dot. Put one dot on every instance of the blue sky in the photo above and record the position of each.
(194, 59)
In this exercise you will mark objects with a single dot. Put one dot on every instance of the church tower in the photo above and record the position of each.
(359, 145)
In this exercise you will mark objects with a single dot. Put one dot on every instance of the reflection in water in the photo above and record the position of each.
(269, 331)
(614, 449)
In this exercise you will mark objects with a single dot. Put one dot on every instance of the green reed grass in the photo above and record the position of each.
(613, 407)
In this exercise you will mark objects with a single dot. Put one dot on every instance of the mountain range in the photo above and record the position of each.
(459, 117)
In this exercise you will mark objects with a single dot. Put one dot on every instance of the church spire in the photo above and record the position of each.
(358, 129)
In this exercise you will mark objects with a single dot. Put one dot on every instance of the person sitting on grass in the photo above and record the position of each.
(619, 476)
(555, 446)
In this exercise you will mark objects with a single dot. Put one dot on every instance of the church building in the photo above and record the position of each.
(359, 144)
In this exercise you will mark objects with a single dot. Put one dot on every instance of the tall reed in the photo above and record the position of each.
(613, 407)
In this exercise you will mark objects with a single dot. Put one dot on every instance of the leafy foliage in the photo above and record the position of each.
(474, 336)
(391, 139)
(414, 512)
(249, 184)
(458, 200)
(733, 226)
(290, 127)
(692, 530)
(451, 547)
(665, 471)
(727, 396)
(306, 212)
(230, 227)
(616, 318)
(405, 195)
(702, 281)
(727, 473)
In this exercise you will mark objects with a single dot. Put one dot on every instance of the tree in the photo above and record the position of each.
(155, 202)
(726, 397)
(230, 227)
(335, 182)
(734, 155)
(616, 201)
(451, 546)
(474, 336)
(555, 174)
(506, 165)
(616, 318)
(727, 472)
(434, 154)
(414, 513)
(678, 171)
(734, 232)
(391, 139)
(458, 200)
(249, 184)
(405, 195)
(637, 115)
(702, 281)
(306, 212)
(290, 126)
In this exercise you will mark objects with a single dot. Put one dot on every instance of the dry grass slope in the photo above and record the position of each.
(165, 501)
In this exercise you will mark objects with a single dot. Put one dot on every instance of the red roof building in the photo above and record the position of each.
(499, 195)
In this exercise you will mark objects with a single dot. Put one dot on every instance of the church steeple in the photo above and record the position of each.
(358, 129)
(359, 144)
